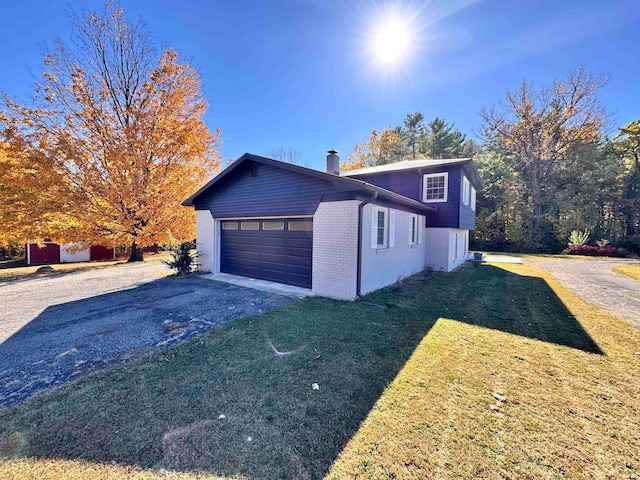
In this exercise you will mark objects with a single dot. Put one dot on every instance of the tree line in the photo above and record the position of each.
(548, 164)
(110, 144)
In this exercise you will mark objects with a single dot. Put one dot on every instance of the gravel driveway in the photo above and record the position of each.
(60, 327)
(594, 281)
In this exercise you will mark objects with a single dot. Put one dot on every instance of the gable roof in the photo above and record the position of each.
(417, 164)
(341, 183)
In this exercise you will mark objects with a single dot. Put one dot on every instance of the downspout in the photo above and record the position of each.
(373, 196)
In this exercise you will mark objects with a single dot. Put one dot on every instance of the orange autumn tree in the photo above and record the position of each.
(30, 194)
(383, 146)
(123, 127)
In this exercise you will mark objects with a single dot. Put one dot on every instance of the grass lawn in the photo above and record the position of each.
(403, 392)
(631, 271)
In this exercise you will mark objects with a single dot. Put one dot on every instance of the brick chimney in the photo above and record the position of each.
(333, 162)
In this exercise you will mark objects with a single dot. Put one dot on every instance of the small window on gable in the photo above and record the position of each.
(466, 186)
(413, 229)
(435, 187)
(380, 227)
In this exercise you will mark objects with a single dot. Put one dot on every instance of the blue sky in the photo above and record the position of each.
(302, 74)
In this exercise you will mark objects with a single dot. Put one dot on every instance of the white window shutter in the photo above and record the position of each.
(420, 229)
(392, 227)
(374, 228)
(410, 229)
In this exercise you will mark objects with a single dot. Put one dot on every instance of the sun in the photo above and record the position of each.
(392, 41)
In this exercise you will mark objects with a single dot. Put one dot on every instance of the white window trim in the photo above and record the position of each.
(466, 187)
(374, 227)
(473, 199)
(446, 187)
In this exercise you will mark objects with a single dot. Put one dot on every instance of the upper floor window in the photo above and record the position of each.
(466, 190)
(435, 187)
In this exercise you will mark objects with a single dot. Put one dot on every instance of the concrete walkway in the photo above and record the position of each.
(594, 281)
(501, 259)
(262, 285)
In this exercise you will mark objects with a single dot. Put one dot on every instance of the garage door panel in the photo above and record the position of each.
(299, 242)
(283, 256)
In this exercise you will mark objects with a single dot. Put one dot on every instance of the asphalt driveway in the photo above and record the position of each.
(594, 281)
(57, 328)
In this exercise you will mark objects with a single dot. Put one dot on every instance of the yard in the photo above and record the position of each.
(489, 372)
(631, 271)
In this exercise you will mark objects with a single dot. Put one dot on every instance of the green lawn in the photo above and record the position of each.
(404, 392)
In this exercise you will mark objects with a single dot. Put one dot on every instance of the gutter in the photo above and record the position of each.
(373, 196)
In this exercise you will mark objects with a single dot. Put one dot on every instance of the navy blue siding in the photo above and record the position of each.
(273, 192)
(409, 184)
(467, 216)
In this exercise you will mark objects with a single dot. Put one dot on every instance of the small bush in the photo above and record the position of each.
(11, 251)
(594, 251)
(579, 238)
(183, 259)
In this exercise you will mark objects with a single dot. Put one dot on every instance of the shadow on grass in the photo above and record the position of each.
(225, 403)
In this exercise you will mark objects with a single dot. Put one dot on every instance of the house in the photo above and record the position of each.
(48, 252)
(341, 236)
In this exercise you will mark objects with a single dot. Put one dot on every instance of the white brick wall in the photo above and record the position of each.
(382, 267)
(205, 241)
(335, 240)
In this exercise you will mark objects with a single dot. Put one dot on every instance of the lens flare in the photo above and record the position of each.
(392, 41)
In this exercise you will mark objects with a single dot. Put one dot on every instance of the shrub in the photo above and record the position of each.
(11, 251)
(183, 259)
(630, 243)
(579, 238)
(594, 251)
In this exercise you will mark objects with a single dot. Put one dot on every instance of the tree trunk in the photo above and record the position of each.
(536, 200)
(136, 253)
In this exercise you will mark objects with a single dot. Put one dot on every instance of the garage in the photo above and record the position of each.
(279, 250)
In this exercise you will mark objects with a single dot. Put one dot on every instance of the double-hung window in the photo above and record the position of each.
(382, 227)
(435, 187)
